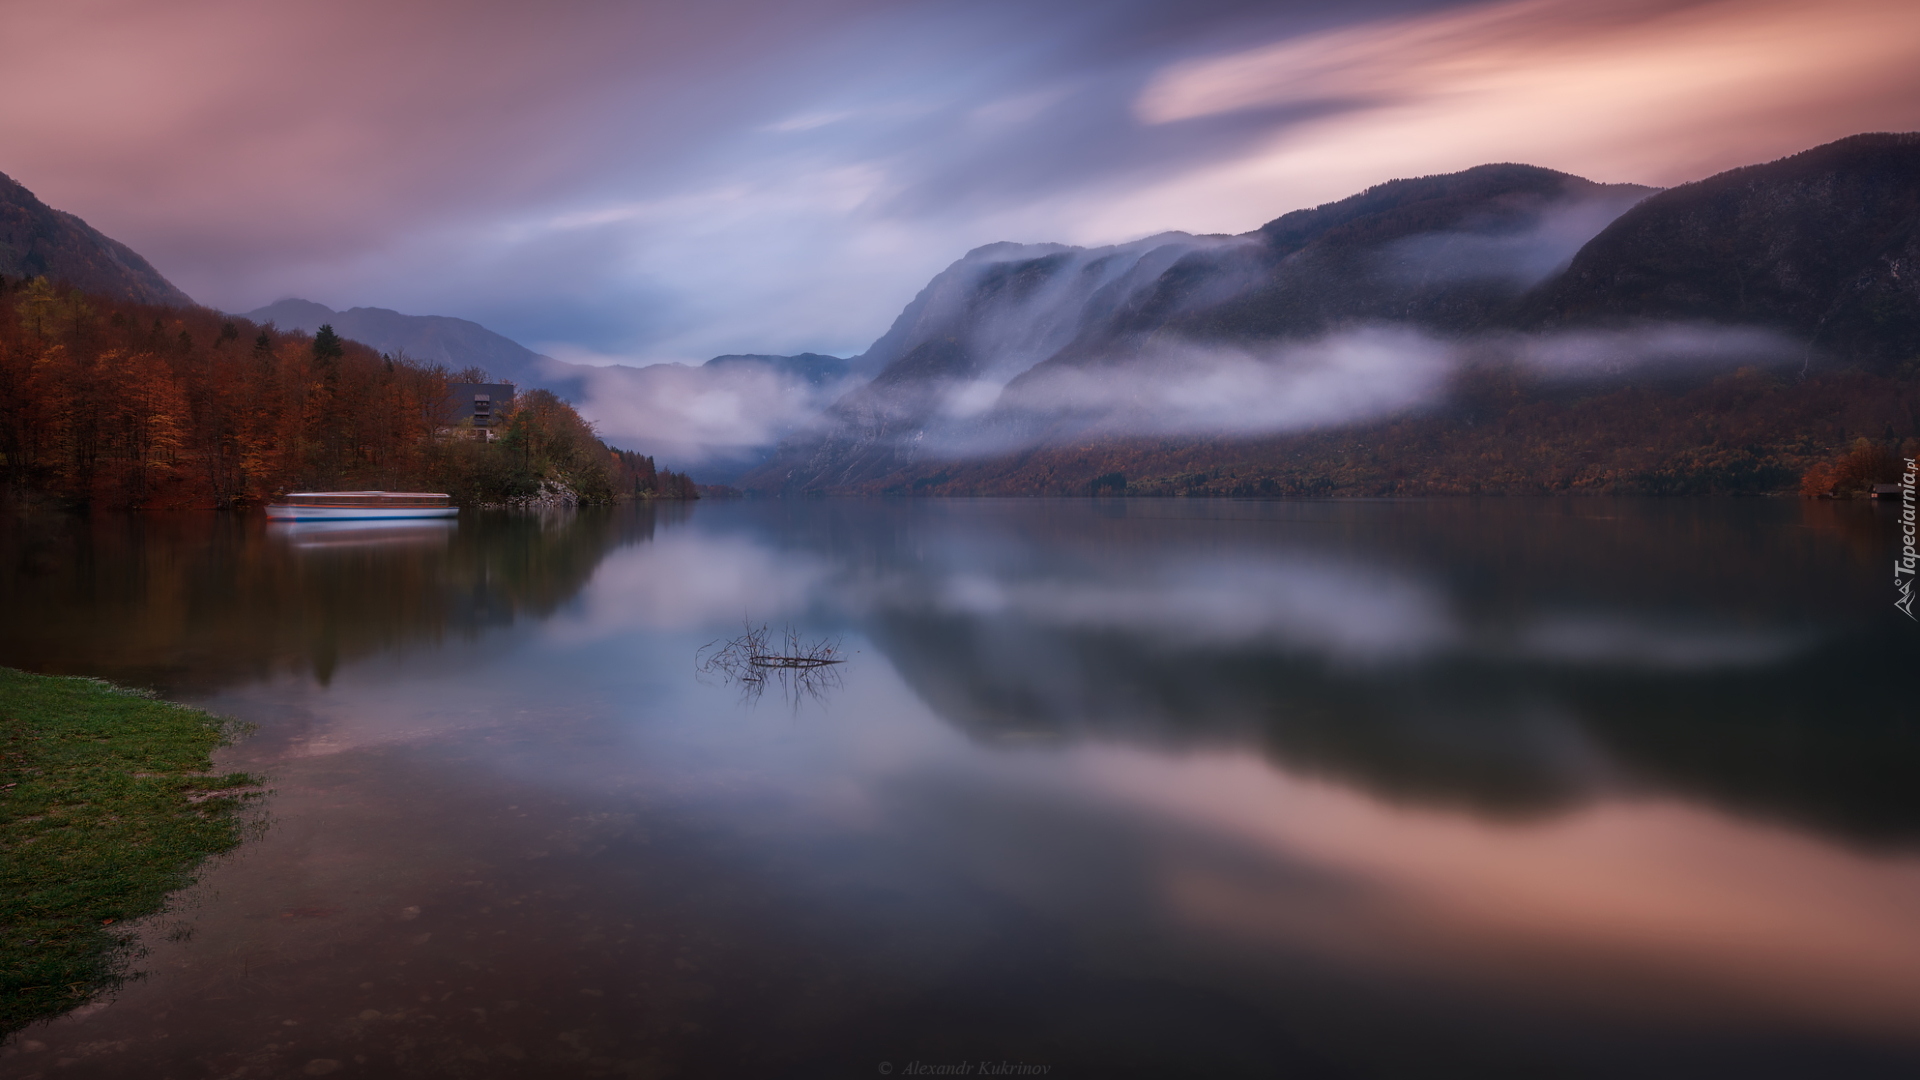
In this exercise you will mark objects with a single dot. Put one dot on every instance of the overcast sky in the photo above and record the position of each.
(646, 181)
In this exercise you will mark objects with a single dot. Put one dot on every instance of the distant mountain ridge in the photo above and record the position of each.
(440, 339)
(815, 369)
(39, 241)
(461, 343)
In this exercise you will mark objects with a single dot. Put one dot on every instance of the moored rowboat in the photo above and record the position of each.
(361, 506)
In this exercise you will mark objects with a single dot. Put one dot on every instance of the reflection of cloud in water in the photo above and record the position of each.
(1644, 903)
(686, 579)
(1433, 655)
(1338, 608)
(1342, 609)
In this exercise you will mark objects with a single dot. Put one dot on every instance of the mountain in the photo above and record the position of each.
(1449, 252)
(39, 241)
(1824, 245)
(997, 312)
(1445, 251)
(435, 339)
(1427, 314)
(814, 369)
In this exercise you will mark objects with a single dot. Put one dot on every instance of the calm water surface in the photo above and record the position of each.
(1156, 788)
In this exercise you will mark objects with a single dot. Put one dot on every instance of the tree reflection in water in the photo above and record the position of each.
(189, 603)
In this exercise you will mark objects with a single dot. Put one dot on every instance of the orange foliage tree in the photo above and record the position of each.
(1865, 464)
(114, 404)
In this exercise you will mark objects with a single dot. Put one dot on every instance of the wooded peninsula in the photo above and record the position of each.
(113, 404)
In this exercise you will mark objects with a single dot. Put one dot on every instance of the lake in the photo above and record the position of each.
(1573, 787)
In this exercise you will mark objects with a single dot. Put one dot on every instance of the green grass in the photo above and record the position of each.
(105, 808)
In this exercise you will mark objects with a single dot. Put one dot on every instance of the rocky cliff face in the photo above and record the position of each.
(39, 241)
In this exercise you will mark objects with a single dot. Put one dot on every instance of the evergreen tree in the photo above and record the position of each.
(326, 344)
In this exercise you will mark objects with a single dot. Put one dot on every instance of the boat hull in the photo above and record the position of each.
(280, 512)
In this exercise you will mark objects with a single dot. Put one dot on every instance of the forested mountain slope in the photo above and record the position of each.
(39, 241)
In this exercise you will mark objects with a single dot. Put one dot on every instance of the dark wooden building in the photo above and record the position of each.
(479, 403)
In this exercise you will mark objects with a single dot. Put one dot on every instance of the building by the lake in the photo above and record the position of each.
(479, 405)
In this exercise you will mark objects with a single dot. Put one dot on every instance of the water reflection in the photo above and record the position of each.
(1647, 907)
(322, 535)
(1511, 657)
(1145, 788)
(192, 602)
(1515, 657)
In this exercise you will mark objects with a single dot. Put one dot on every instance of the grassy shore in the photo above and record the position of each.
(105, 808)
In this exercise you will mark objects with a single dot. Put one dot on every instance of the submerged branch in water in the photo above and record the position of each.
(803, 667)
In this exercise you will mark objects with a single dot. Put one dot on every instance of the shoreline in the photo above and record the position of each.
(107, 808)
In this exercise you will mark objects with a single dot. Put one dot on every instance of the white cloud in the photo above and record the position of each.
(1350, 376)
(1191, 388)
(1638, 91)
(1672, 345)
(691, 415)
(689, 580)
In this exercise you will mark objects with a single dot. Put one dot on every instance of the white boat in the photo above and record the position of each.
(361, 506)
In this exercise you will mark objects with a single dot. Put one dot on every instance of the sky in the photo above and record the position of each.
(640, 182)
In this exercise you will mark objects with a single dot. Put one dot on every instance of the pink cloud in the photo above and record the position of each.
(672, 180)
(215, 129)
(1648, 92)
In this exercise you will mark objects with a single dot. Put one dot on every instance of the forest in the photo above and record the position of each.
(112, 404)
(1830, 433)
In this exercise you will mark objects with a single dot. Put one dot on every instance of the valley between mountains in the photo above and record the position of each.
(1502, 330)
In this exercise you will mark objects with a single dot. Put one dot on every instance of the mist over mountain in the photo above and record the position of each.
(1014, 341)
(723, 417)
(1445, 300)
(39, 241)
(1471, 321)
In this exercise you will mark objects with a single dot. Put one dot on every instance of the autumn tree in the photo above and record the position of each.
(109, 403)
(1865, 464)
